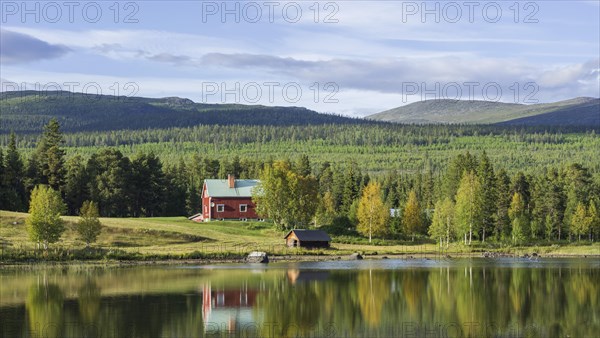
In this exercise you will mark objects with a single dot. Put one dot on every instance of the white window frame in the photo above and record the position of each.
(245, 207)
(220, 207)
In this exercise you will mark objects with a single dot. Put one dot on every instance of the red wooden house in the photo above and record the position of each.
(228, 199)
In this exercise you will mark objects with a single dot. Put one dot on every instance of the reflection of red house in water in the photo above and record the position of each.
(227, 308)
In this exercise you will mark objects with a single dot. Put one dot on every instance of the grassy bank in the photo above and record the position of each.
(176, 238)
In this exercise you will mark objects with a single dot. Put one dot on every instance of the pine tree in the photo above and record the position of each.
(147, 185)
(302, 166)
(325, 178)
(177, 194)
(338, 190)
(503, 198)
(211, 168)
(372, 214)
(32, 175)
(428, 190)
(88, 227)
(452, 177)
(351, 187)
(225, 168)
(547, 205)
(193, 202)
(13, 178)
(50, 156)
(236, 167)
(412, 216)
(485, 172)
(76, 184)
(110, 182)
(44, 223)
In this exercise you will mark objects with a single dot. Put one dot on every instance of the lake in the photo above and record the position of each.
(504, 297)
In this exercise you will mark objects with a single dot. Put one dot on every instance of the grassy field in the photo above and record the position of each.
(179, 238)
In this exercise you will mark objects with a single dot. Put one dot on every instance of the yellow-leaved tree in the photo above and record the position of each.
(372, 213)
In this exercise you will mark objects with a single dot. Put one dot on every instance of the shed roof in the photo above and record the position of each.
(220, 188)
(310, 235)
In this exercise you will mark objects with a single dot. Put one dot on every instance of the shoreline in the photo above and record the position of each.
(280, 259)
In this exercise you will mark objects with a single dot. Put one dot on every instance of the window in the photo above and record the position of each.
(220, 207)
(243, 207)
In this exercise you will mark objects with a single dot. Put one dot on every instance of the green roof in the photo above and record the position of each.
(219, 188)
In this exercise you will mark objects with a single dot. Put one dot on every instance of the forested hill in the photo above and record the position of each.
(582, 111)
(28, 111)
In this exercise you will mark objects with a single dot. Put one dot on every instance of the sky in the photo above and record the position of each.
(352, 58)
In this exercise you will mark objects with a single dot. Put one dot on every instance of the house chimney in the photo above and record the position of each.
(231, 181)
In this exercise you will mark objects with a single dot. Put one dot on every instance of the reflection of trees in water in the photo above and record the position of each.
(151, 315)
(88, 300)
(518, 301)
(45, 309)
(373, 291)
(50, 314)
(289, 310)
(469, 301)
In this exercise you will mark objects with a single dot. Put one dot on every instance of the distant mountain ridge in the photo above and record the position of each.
(577, 111)
(28, 111)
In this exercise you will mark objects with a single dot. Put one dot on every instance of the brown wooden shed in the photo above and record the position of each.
(307, 238)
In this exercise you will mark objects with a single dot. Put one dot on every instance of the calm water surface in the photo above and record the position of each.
(379, 298)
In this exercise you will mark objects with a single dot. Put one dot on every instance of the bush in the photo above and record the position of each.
(340, 225)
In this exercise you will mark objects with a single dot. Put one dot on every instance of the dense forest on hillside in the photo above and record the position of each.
(374, 148)
(28, 111)
(177, 129)
(551, 202)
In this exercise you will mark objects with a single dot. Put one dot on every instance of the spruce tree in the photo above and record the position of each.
(147, 186)
(350, 191)
(485, 173)
(76, 187)
(503, 197)
(302, 166)
(12, 178)
(193, 202)
(50, 156)
(110, 182)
